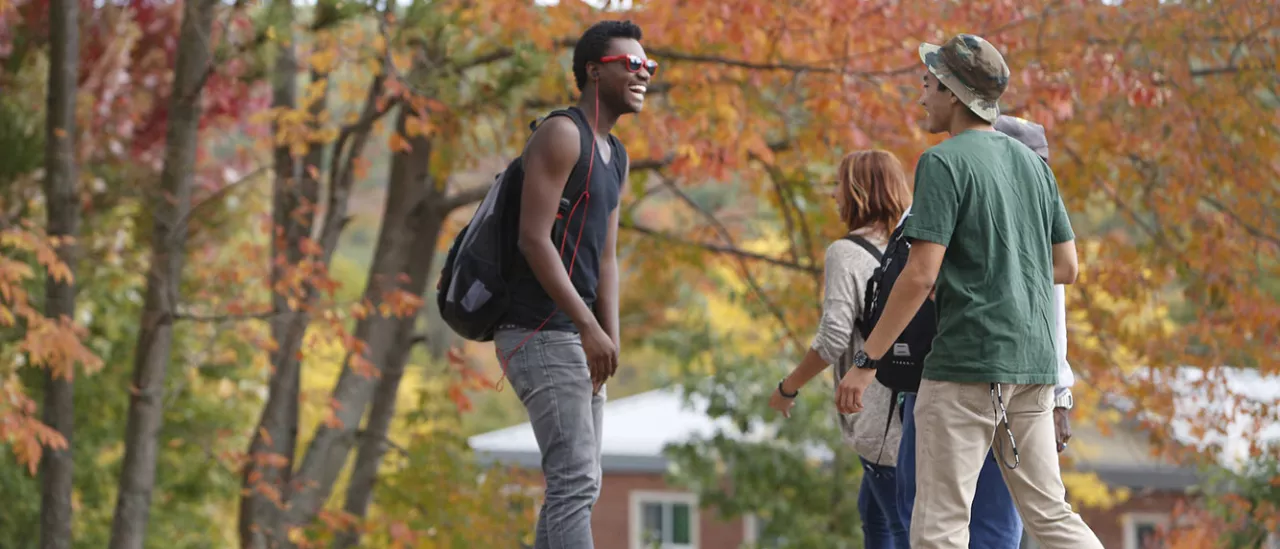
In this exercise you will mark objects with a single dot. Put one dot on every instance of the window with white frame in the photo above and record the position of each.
(751, 529)
(754, 536)
(664, 520)
(1142, 530)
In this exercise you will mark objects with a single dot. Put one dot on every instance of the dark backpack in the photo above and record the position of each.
(901, 368)
(866, 312)
(472, 294)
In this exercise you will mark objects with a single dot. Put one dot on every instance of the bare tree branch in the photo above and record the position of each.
(218, 194)
(226, 317)
(654, 89)
(742, 265)
(1248, 227)
(652, 163)
(677, 55)
(484, 59)
(718, 248)
(258, 39)
(1231, 69)
(463, 197)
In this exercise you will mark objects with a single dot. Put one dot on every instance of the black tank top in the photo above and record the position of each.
(530, 303)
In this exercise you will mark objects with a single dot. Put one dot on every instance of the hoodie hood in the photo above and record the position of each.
(1026, 132)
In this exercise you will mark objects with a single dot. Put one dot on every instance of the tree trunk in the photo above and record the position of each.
(268, 479)
(168, 241)
(414, 212)
(266, 475)
(60, 183)
(373, 441)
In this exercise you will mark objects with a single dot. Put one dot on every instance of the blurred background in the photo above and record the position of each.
(222, 224)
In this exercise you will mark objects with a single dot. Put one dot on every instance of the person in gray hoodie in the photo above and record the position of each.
(871, 193)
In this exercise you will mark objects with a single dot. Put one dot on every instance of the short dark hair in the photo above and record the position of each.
(595, 43)
(967, 111)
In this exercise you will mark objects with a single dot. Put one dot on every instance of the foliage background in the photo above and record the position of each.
(1163, 123)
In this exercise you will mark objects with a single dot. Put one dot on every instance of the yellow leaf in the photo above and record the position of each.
(323, 61)
(226, 389)
(416, 126)
(401, 61)
(399, 144)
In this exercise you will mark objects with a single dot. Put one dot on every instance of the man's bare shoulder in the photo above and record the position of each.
(556, 142)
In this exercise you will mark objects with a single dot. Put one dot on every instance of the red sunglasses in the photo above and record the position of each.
(633, 62)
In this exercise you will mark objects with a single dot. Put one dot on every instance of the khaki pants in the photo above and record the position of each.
(955, 426)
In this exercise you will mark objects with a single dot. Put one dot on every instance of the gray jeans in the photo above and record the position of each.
(549, 374)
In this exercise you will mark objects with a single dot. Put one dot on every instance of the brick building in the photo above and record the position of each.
(636, 500)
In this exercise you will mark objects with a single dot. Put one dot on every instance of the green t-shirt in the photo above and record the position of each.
(995, 205)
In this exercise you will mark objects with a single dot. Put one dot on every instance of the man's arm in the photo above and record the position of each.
(935, 211)
(1066, 378)
(907, 296)
(607, 291)
(1065, 266)
(1063, 237)
(549, 159)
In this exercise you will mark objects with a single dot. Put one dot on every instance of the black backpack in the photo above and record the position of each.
(901, 368)
(472, 294)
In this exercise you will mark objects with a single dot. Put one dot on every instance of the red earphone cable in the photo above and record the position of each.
(586, 195)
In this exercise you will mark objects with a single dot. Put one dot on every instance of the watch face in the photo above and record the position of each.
(860, 359)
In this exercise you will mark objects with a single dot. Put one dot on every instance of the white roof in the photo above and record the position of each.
(1237, 406)
(638, 425)
(641, 426)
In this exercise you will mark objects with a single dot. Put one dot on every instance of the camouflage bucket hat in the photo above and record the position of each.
(972, 69)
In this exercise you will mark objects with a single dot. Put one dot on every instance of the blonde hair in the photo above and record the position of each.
(875, 190)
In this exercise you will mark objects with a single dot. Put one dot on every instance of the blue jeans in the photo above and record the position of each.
(549, 374)
(882, 526)
(993, 521)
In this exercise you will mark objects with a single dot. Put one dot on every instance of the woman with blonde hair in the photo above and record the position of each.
(872, 193)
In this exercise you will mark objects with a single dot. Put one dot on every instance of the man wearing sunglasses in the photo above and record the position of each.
(560, 335)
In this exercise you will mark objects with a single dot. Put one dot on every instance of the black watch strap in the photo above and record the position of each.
(862, 361)
(784, 393)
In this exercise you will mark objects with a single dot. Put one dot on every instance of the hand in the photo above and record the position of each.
(1061, 427)
(602, 355)
(852, 386)
(781, 403)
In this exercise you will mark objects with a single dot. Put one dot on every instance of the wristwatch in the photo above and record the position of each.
(862, 361)
(1064, 400)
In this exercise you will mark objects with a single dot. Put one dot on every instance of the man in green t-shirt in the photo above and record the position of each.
(990, 235)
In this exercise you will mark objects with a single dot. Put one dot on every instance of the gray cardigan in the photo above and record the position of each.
(848, 268)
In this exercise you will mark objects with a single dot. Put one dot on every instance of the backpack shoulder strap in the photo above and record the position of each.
(860, 324)
(577, 183)
(866, 245)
